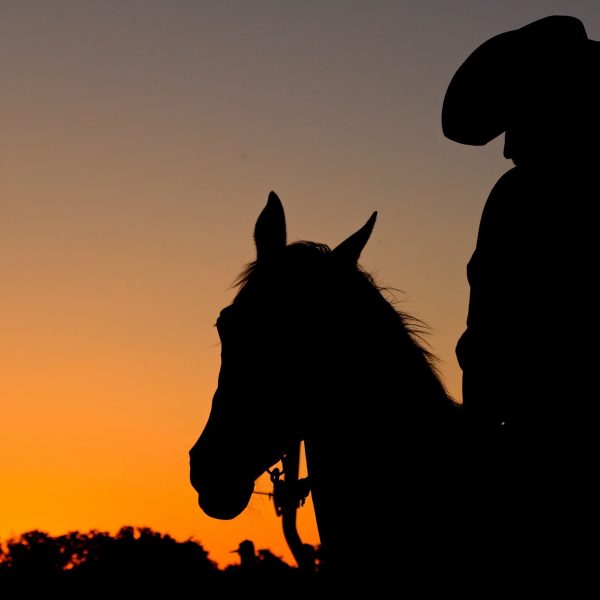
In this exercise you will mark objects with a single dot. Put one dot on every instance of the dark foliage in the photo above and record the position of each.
(137, 555)
(132, 553)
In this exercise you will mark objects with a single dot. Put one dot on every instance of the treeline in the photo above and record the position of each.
(133, 554)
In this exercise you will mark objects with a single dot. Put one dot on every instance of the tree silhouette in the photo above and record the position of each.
(133, 554)
(135, 561)
(36, 554)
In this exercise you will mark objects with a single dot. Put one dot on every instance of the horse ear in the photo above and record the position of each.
(349, 250)
(269, 232)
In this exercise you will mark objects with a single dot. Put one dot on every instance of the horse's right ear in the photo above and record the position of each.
(349, 250)
(269, 232)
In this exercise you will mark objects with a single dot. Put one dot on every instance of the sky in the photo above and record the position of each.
(139, 141)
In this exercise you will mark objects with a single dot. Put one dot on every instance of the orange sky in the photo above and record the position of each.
(139, 143)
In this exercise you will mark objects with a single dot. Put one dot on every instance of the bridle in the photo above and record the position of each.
(289, 494)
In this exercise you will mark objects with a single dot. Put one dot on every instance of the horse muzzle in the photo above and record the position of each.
(222, 497)
(224, 503)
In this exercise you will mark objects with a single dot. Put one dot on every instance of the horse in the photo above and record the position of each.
(313, 350)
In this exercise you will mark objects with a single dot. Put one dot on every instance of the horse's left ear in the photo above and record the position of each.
(269, 231)
(349, 250)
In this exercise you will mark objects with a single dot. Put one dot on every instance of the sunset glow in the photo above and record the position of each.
(139, 143)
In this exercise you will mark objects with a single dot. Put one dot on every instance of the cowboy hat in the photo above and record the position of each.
(533, 66)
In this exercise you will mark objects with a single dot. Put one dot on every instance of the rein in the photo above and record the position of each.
(289, 494)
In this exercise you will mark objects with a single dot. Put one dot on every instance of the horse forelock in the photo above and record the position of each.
(299, 255)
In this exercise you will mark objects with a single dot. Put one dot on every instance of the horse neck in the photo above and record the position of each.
(343, 465)
(365, 419)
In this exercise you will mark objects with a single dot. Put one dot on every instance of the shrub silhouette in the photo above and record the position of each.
(134, 553)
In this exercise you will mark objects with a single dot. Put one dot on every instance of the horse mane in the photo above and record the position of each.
(307, 253)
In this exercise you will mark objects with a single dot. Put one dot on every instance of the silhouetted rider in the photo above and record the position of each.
(534, 267)
(529, 353)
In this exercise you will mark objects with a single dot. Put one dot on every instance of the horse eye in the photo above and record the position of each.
(223, 320)
(219, 326)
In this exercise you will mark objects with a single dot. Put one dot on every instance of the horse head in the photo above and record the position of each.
(272, 359)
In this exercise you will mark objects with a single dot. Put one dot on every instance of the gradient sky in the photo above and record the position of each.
(139, 141)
